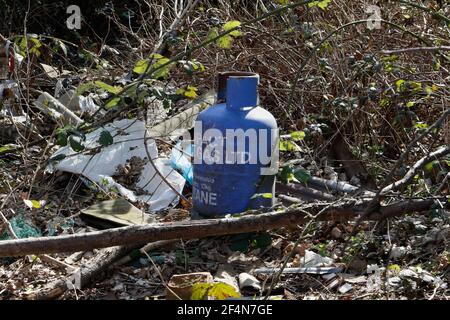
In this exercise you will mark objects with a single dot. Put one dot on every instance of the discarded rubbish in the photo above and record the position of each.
(181, 285)
(181, 159)
(249, 282)
(128, 142)
(79, 104)
(345, 288)
(227, 274)
(22, 228)
(312, 259)
(8, 89)
(228, 175)
(55, 109)
(310, 270)
(173, 128)
(118, 212)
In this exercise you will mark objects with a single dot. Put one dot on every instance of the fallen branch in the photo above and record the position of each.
(206, 228)
(418, 49)
(81, 277)
(442, 151)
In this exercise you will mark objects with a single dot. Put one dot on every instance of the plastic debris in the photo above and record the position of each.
(310, 270)
(181, 159)
(78, 103)
(128, 143)
(312, 259)
(22, 228)
(247, 281)
(227, 274)
(345, 288)
(55, 109)
(117, 212)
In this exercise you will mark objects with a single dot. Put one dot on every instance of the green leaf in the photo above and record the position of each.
(421, 125)
(218, 291)
(302, 175)
(298, 135)
(225, 42)
(262, 195)
(222, 291)
(140, 66)
(59, 157)
(113, 102)
(107, 87)
(231, 25)
(288, 146)
(214, 32)
(33, 204)
(106, 139)
(429, 166)
(84, 87)
(399, 84)
(163, 72)
(286, 175)
(410, 104)
(321, 4)
(200, 290)
(61, 138)
(75, 144)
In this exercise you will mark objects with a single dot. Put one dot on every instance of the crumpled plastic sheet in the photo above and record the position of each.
(128, 137)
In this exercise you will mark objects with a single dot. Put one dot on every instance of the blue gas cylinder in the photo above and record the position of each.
(235, 150)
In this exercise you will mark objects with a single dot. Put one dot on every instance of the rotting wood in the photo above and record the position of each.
(205, 228)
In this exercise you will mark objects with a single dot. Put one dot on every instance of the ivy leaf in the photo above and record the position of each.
(298, 135)
(106, 139)
(75, 144)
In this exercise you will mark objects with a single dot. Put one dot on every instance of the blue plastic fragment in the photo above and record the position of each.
(180, 160)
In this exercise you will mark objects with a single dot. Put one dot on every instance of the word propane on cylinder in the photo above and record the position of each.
(235, 150)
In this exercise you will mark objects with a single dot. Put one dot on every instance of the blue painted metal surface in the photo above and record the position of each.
(236, 184)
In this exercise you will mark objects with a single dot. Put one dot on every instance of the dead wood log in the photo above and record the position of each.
(83, 276)
(205, 228)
